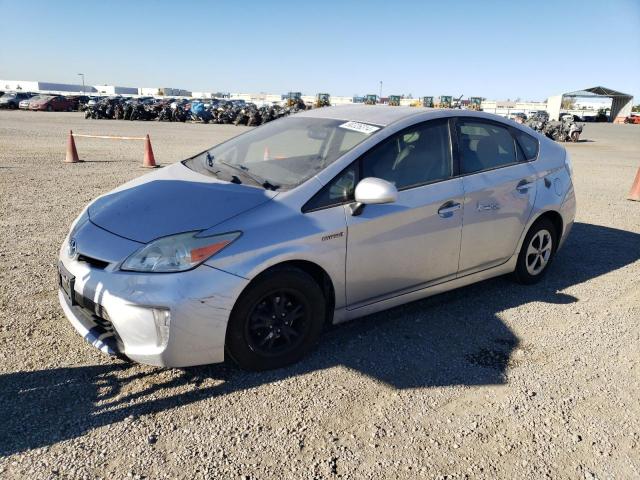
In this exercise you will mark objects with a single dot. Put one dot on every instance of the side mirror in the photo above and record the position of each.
(372, 191)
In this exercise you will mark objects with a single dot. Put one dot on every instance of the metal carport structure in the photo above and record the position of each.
(620, 102)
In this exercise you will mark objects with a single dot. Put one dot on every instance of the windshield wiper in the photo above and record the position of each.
(270, 186)
(234, 178)
(245, 171)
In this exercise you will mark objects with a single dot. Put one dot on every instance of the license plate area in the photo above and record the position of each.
(66, 281)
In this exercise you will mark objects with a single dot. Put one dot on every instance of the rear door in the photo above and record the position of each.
(499, 192)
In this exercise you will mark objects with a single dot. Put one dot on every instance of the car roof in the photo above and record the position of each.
(377, 114)
(385, 115)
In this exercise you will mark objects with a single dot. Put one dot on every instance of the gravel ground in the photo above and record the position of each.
(492, 380)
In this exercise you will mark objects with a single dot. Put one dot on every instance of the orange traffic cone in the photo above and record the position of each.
(72, 153)
(149, 160)
(634, 193)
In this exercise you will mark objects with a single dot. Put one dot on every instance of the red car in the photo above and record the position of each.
(632, 119)
(52, 103)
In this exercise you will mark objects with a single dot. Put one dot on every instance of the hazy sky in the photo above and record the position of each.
(494, 49)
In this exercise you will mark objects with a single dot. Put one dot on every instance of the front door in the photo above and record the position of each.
(406, 245)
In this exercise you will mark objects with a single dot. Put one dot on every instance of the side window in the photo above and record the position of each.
(336, 192)
(415, 156)
(484, 146)
(528, 144)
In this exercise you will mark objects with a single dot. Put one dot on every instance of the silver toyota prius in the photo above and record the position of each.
(247, 250)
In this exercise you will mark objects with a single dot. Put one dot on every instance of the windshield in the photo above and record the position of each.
(283, 153)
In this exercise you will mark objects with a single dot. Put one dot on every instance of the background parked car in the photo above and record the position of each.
(12, 99)
(52, 103)
(78, 101)
(92, 101)
(575, 118)
(24, 104)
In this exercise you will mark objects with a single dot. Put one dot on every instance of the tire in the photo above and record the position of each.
(532, 266)
(49, 109)
(256, 338)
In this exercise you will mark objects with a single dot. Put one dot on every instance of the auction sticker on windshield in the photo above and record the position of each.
(360, 127)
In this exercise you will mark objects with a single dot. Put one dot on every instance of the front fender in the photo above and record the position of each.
(278, 234)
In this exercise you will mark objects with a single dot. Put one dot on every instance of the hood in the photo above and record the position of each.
(172, 200)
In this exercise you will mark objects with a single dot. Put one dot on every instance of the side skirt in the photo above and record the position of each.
(343, 314)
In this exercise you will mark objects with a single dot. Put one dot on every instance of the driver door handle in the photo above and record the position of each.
(447, 209)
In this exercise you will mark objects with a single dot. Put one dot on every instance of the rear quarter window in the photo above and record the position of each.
(528, 144)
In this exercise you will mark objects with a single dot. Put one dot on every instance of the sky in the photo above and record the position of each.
(502, 49)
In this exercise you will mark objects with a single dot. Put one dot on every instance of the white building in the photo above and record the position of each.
(47, 87)
(64, 88)
(506, 107)
(114, 90)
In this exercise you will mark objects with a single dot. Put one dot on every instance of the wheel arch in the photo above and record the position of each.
(555, 218)
(315, 271)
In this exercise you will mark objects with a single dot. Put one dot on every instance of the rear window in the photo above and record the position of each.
(528, 144)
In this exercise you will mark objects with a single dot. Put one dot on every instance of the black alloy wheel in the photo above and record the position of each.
(278, 323)
(276, 320)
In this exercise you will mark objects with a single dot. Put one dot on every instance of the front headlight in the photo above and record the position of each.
(177, 253)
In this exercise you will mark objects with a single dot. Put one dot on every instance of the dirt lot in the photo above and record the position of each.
(493, 380)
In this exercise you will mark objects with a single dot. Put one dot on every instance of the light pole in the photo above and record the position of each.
(83, 89)
(380, 96)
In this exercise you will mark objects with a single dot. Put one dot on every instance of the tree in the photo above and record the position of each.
(568, 103)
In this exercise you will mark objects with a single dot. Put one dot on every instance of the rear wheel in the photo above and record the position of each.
(276, 320)
(537, 252)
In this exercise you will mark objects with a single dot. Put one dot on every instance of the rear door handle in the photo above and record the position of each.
(524, 186)
(447, 209)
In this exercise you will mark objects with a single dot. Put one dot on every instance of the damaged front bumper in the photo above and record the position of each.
(170, 320)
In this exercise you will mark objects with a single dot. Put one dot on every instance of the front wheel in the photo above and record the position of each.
(575, 136)
(537, 252)
(276, 320)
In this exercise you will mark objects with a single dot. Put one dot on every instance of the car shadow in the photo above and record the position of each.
(456, 338)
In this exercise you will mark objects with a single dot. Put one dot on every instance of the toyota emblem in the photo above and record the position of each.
(72, 248)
